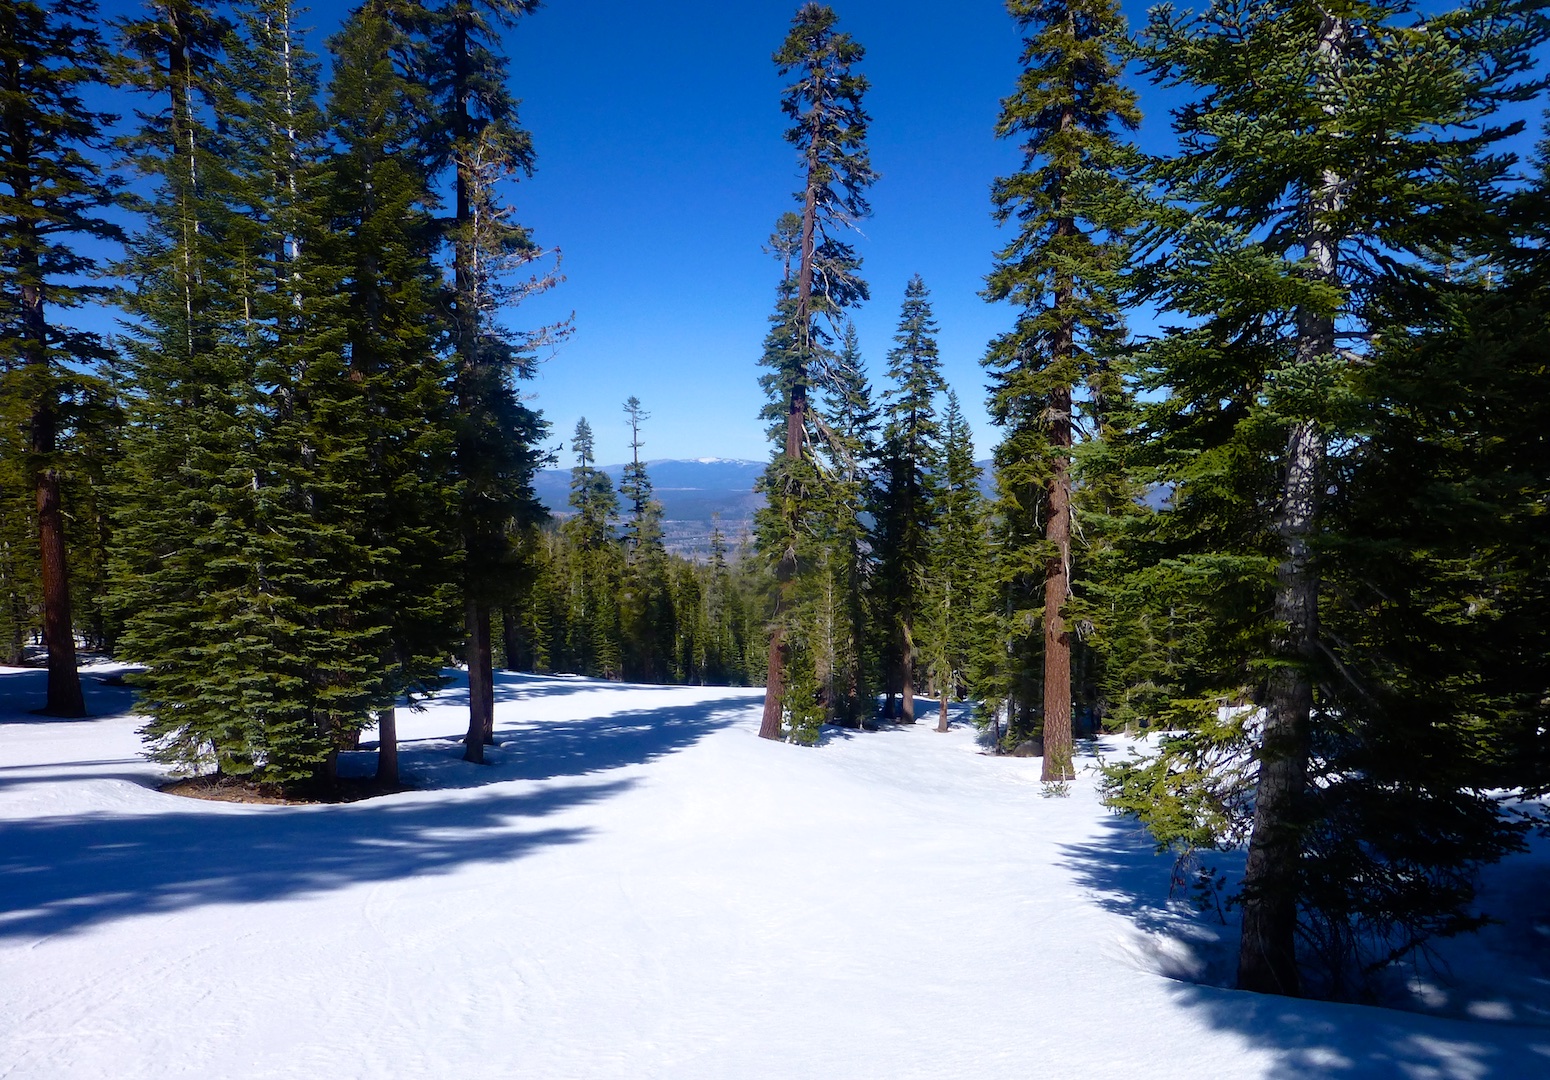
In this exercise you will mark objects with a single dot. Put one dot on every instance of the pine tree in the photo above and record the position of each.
(596, 564)
(956, 561)
(52, 198)
(724, 661)
(1060, 271)
(907, 502)
(1328, 158)
(181, 577)
(647, 603)
(385, 235)
(829, 134)
(478, 138)
(849, 441)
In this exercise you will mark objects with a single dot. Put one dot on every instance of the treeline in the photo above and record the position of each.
(602, 596)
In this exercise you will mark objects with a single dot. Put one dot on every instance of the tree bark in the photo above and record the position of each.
(941, 718)
(774, 687)
(906, 674)
(1267, 954)
(481, 683)
(387, 747)
(1058, 765)
(64, 696)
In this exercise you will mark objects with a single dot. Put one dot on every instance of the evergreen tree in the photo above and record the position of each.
(907, 506)
(724, 662)
(181, 575)
(957, 558)
(829, 133)
(596, 567)
(478, 137)
(385, 235)
(52, 199)
(647, 603)
(313, 588)
(1060, 271)
(1328, 159)
(849, 440)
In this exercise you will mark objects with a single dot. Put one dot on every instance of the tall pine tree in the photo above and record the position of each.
(478, 138)
(1061, 272)
(907, 502)
(384, 234)
(824, 103)
(52, 200)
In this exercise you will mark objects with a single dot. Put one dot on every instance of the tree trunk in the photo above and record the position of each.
(941, 716)
(387, 747)
(906, 675)
(481, 683)
(1267, 954)
(1058, 765)
(774, 687)
(64, 682)
(513, 647)
(64, 696)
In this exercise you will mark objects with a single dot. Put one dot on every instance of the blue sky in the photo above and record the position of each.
(662, 168)
(661, 171)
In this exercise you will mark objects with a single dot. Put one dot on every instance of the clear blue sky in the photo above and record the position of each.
(662, 168)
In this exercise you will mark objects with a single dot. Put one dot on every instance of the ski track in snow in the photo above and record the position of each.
(639, 887)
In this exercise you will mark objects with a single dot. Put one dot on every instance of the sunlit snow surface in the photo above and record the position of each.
(640, 887)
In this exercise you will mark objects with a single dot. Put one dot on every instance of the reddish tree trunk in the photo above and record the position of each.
(64, 682)
(1058, 765)
(774, 687)
(64, 696)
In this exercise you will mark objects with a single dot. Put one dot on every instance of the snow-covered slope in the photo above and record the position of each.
(636, 887)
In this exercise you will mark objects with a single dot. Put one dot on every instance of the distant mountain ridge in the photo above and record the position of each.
(692, 491)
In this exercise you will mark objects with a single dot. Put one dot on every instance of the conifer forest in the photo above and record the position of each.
(1271, 485)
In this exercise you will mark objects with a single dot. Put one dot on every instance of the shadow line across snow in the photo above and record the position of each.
(65, 872)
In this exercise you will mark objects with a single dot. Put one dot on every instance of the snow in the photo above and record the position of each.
(638, 886)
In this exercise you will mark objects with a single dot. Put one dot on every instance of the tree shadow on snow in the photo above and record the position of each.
(60, 874)
(553, 748)
(521, 686)
(1308, 1038)
(65, 873)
